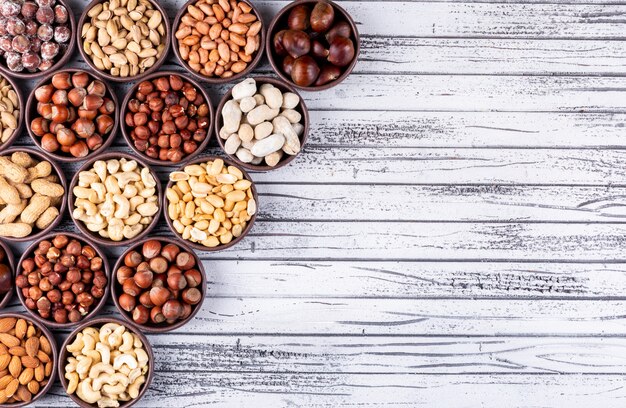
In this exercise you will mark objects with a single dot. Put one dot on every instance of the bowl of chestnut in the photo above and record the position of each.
(7, 266)
(62, 279)
(71, 114)
(158, 284)
(313, 44)
(167, 118)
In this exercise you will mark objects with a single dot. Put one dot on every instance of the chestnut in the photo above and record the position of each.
(341, 29)
(318, 50)
(299, 18)
(5, 278)
(288, 64)
(279, 48)
(297, 43)
(341, 52)
(322, 17)
(328, 73)
(305, 71)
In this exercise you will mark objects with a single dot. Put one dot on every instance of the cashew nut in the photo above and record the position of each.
(72, 379)
(127, 359)
(114, 389)
(100, 168)
(87, 393)
(105, 352)
(133, 389)
(100, 368)
(82, 368)
(127, 342)
(77, 344)
(123, 206)
(89, 343)
(142, 357)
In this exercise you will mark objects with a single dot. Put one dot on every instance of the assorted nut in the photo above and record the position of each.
(26, 360)
(107, 365)
(33, 34)
(260, 125)
(63, 280)
(30, 195)
(160, 283)
(124, 37)
(6, 274)
(219, 38)
(75, 113)
(316, 46)
(118, 199)
(168, 118)
(210, 203)
(9, 110)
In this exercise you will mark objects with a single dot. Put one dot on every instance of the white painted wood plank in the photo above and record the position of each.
(378, 390)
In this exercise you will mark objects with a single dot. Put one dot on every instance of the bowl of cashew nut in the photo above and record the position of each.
(106, 363)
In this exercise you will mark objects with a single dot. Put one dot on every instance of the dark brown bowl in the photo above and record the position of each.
(217, 80)
(62, 60)
(126, 131)
(59, 173)
(99, 322)
(54, 357)
(31, 113)
(20, 120)
(116, 288)
(79, 224)
(6, 298)
(286, 159)
(245, 232)
(94, 311)
(280, 22)
(157, 64)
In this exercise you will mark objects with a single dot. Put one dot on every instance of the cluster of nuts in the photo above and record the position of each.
(316, 47)
(160, 283)
(75, 114)
(25, 360)
(63, 279)
(30, 195)
(168, 118)
(210, 203)
(6, 275)
(261, 125)
(116, 198)
(108, 365)
(219, 38)
(33, 33)
(124, 37)
(9, 110)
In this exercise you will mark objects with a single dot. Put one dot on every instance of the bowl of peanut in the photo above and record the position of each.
(218, 41)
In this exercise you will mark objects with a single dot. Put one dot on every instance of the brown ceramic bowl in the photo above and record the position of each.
(217, 80)
(10, 261)
(99, 322)
(31, 114)
(280, 23)
(63, 57)
(286, 159)
(94, 236)
(116, 288)
(166, 38)
(59, 173)
(54, 357)
(200, 247)
(94, 311)
(20, 120)
(126, 129)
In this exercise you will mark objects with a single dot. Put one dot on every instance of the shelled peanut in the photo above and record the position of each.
(219, 38)
(30, 195)
(25, 360)
(124, 37)
(117, 199)
(107, 365)
(9, 110)
(210, 203)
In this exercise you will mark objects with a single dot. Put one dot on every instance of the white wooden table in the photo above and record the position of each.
(453, 234)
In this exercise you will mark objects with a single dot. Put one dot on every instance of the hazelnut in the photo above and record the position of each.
(73, 275)
(61, 80)
(67, 297)
(132, 259)
(74, 316)
(193, 277)
(85, 299)
(144, 299)
(143, 278)
(156, 315)
(127, 302)
(97, 292)
(172, 309)
(159, 295)
(76, 96)
(158, 264)
(60, 316)
(123, 274)
(185, 260)
(79, 149)
(176, 281)
(131, 287)
(141, 314)
(191, 296)
(151, 249)
(186, 311)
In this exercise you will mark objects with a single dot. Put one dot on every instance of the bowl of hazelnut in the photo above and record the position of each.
(167, 118)
(7, 266)
(72, 114)
(35, 37)
(159, 284)
(62, 279)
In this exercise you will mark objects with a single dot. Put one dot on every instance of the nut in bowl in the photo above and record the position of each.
(159, 284)
(72, 114)
(218, 41)
(35, 36)
(262, 123)
(62, 280)
(7, 267)
(167, 118)
(32, 192)
(106, 363)
(124, 39)
(313, 44)
(211, 203)
(28, 356)
(11, 114)
(114, 198)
